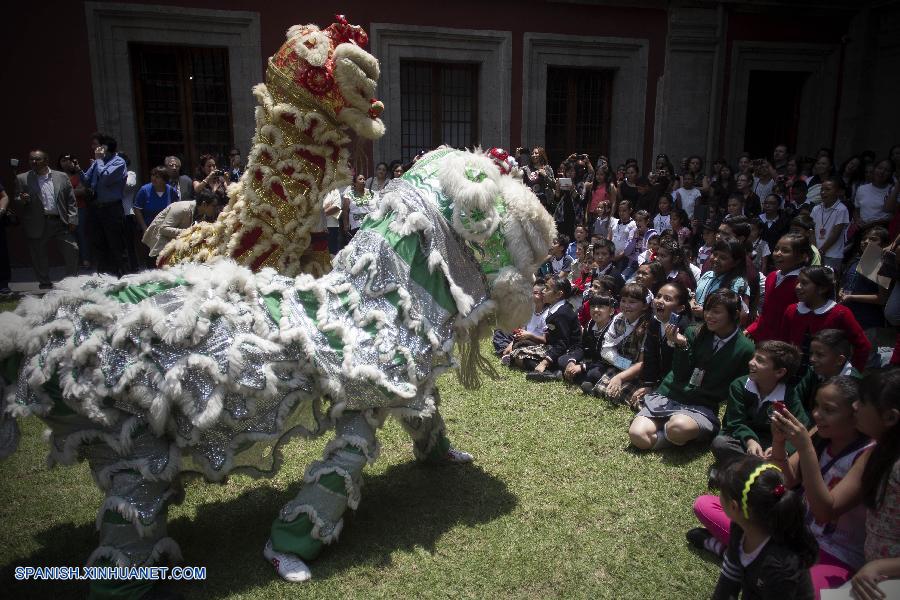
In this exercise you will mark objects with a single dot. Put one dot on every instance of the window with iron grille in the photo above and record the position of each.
(578, 112)
(438, 105)
(182, 104)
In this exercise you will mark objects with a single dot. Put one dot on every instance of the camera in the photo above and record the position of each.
(218, 173)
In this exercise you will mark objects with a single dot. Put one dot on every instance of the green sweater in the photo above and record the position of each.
(809, 383)
(746, 418)
(720, 368)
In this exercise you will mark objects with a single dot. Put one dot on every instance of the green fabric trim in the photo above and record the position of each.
(117, 590)
(311, 305)
(334, 482)
(440, 450)
(407, 248)
(273, 305)
(295, 537)
(133, 294)
(114, 518)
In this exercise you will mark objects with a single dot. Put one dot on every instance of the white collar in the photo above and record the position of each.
(847, 370)
(555, 307)
(47, 176)
(726, 340)
(775, 394)
(803, 309)
(781, 276)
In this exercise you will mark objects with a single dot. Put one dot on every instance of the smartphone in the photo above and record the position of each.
(14, 162)
(565, 183)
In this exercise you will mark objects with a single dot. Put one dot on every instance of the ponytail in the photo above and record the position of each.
(759, 489)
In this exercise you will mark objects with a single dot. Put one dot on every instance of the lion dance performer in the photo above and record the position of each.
(210, 368)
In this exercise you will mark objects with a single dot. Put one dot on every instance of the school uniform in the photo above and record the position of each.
(587, 354)
(770, 571)
(700, 378)
(780, 293)
(808, 384)
(562, 330)
(657, 355)
(622, 346)
(773, 229)
(748, 417)
(800, 323)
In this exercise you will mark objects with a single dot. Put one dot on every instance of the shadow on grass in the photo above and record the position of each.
(409, 506)
(678, 456)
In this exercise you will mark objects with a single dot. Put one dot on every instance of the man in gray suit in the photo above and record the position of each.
(47, 209)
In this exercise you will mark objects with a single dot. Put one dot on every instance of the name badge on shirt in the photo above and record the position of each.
(696, 377)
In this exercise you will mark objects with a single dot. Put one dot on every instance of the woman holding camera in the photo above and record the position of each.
(209, 177)
(539, 177)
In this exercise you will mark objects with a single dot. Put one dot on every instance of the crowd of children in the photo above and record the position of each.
(762, 318)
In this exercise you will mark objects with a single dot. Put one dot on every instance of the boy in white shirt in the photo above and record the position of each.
(686, 196)
(831, 218)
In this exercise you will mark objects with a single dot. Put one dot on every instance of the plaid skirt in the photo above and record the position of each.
(624, 396)
(535, 352)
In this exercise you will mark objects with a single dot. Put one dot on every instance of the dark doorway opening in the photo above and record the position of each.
(773, 111)
(578, 112)
(182, 104)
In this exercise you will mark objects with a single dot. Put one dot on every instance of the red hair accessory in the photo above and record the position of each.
(778, 491)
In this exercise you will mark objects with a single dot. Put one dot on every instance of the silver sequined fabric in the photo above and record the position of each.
(237, 385)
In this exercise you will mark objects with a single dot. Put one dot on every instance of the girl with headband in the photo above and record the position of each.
(770, 548)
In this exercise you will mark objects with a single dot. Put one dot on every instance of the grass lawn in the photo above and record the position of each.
(555, 505)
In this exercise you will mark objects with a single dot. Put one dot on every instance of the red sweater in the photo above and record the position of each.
(799, 322)
(767, 325)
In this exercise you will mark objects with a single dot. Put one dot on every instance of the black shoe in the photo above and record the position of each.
(45, 286)
(544, 376)
(697, 537)
(703, 540)
(587, 387)
(712, 478)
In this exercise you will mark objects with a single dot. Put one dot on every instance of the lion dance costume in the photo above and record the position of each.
(209, 367)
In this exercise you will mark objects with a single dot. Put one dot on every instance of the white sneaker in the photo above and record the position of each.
(458, 456)
(288, 566)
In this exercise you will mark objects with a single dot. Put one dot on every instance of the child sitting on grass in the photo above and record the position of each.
(585, 362)
(562, 330)
(746, 428)
(706, 360)
(873, 480)
(838, 445)
(770, 548)
(622, 346)
(670, 306)
(506, 344)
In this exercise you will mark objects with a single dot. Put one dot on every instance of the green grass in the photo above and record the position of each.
(556, 505)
